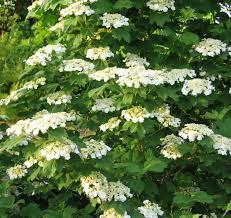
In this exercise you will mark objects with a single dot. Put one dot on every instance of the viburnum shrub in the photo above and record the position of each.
(123, 111)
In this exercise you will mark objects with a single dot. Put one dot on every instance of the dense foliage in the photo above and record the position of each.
(118, 108)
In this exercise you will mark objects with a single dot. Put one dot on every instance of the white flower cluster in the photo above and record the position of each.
(178, 75)
(43, 55)
(58, 98)
(96, 185)
(110, 125)
(210, 47)
(137, 76)
(1, 135)
(94, 149)
(193, 131)
(211, 215)
(221, 144)
(112, 213)
(197, 86)
(150, 210)
(77, 9)
(30, 162)
(170, 149)
(161, 5)
(35, 4)
(165, 118)
(114, 20)
(136, 114)
(87, 1)
(57, 149)
(15, 95)
(25, 141)
(57, 26)
(105, 105)
(34, 84)
(134, 60)
(76, 65)
(41, 122)
(106, 74)
(101, 53)
(118, 191)
(18, 171)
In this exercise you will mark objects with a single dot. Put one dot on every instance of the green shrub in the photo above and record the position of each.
(121, 110)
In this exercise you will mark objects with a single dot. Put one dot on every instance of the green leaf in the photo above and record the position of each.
(154, 165)
(31, 210)
(69, 212)
(120, 4)
(102, 6)
(137, 185)
(7, 202)
(159, 19)
(127, 98)
(11, 143)
(228, 208)
(189, 38)
(202, 197)
(122, 33)
(223, 127)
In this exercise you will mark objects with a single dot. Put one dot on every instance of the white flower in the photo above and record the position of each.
(1, 135)
(110, 125)
(161, 5)
(94, 149)
(212, 215)
(58, 98)
(30, 162)
(35, 4)
(150, 210)
(178, 75)
(136, 114)
(106, 74)
(34, 84)
(76, 65)
(229, 50)
(41, 122)
(44, 55)
(57, 26)
(105, 105)
(197, 86)
(77, 9)
(101, 53)
(15, 95)
(133, 60)
(163, 116)
(25, 141)
(112, 213)
(114, 20)
(18, 171)
(221, 144)
(138, 76)
(210, 47)
(118, 191)
(95, 185)
(170, 145)
(57, 149)
(195, 131)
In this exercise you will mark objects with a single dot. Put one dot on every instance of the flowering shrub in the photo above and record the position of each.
(123, 111)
